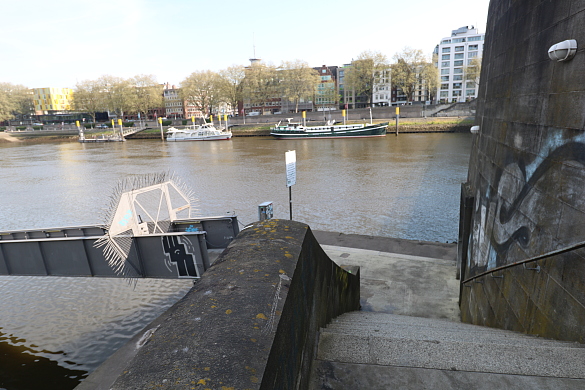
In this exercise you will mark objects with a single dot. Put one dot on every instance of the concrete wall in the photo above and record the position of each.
(527, 173)
(251, 322)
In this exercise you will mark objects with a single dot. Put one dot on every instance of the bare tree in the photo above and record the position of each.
(298, 81)
(230, 85)
(200, 89)
(361, 75)
(146, 93)
(261, 83)
(15, 100)
(88, 96)
(117, 94)
(412, 70)
(473, 70)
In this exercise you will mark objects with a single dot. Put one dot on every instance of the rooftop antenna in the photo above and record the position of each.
(252, 60)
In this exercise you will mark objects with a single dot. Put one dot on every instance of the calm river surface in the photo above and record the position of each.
(53, 331)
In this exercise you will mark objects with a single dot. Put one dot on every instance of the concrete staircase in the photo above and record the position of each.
(368, 350)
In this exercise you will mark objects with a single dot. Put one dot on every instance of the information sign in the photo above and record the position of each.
(291, 167)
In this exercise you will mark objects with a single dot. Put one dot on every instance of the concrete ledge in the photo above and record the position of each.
(250, 323)
(435, 250)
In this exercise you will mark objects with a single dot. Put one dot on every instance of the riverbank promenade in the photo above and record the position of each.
(275, 311)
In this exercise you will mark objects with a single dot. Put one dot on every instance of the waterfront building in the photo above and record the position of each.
(326, 93)
(349, 97)
(49, 100)
(174, 105)
(382, 89)
(455, 54)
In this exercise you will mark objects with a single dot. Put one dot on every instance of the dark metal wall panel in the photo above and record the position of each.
(24, 258)
(3, 267)
(220, 231)
(71, 251)
(97, 261)
(65, 258)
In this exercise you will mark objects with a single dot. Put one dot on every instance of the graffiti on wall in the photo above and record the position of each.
(521, 214)
(178, 252)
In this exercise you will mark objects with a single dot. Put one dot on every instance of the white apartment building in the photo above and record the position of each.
(382, 89)
(454, 54)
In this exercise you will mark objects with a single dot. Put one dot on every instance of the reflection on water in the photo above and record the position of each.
(66, 327)
(406, 187)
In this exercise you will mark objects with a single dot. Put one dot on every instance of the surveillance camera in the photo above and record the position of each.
(563, 51)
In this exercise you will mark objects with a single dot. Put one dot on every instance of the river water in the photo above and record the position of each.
(53, 331)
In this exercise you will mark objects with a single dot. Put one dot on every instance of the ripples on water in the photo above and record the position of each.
(406, 187)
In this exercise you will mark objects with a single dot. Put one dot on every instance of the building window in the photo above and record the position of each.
(459, 56)
(458, 63)
(470, 84)
(473, 54)
(459, 48)
(458, 77)
(458, 71)
(457, 85)
(472, 47)
(444, 86)
(444, 94)
(479, 38)
(446, 57)
(445, 41)
(444, 71)
(445, 64)
(446, 50)
(456, 93)
(444, 78)
(458, 40)
(470, 92)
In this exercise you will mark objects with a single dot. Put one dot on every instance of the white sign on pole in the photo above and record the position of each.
(290, 158)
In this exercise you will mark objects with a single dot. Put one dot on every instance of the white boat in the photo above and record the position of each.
(205, 132)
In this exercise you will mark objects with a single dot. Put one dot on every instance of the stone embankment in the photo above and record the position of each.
(410, 125)
(432, 128)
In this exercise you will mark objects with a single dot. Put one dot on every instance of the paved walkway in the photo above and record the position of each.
(403, 284)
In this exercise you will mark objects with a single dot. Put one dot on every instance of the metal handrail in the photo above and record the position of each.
(536, 258)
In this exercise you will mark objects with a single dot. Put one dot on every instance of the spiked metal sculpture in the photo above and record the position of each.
(142, 205)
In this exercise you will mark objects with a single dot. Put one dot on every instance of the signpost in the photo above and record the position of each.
(290, 158)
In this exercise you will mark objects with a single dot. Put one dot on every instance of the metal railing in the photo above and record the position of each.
(524, 262)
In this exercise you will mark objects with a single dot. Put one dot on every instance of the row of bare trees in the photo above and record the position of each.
(136, 95)
(257, 84)
(410, 71)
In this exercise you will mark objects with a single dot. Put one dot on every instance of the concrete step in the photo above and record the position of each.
(403, 327)
(433, 344)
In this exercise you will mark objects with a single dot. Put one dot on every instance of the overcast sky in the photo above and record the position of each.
(60, 43)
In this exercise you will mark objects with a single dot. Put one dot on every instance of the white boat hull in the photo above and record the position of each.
(203, 138)
(205, 132)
